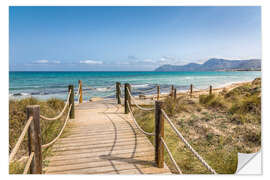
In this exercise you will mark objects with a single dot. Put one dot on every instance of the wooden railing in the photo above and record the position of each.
(32, 126)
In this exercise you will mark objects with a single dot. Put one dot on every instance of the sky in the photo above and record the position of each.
(129, 38)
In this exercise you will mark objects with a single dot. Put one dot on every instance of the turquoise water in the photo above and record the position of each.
(44, 85)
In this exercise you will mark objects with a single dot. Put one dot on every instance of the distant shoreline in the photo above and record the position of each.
(196, 92)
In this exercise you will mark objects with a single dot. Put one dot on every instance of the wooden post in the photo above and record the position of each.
(129, 98)
(71, 102)
(34, 139)
(159, 132)
(191, 90)
(80, 91)
(172, 91)
(158, 92)
(174, 94)
(126, 98)
(118, 92)
(210, 90)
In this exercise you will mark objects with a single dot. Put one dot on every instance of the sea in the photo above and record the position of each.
(46, 85)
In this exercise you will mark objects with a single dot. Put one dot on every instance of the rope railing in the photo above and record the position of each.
(78, 91)
(108, 88)
(16, 147)
(112, 87)
(171, 156)
(60, 114)
(60, 133)
(28, 163)
(142, 108)
(88, 88)
(145, 91)
(198, 89)
(111, 94)
(187, 144)
(138, 126)
(78, 100)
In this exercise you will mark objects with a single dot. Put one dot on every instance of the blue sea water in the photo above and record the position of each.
(44, 85)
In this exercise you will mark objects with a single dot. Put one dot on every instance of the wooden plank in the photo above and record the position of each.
(80, 133)
(113, 148)
(98, 153)
(84, 140)
(105, 161)
(93, 142)
(106, 128)
(104, 134)
(100, 170)
(98, 145)
(101, 139)
(97, 158)
(155, 170)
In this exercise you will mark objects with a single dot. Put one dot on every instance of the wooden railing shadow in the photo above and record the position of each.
(111, 158)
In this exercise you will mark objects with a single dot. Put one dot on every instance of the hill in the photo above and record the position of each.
(215, 65)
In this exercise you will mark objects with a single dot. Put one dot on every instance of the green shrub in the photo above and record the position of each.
(247, 109)
(251, 105)
(239, 91)
(205, 99)
(213, 101)
(16, 168)
(238, 118)
(257, 82)
(173, 107)
(56, 104)
(253, 137)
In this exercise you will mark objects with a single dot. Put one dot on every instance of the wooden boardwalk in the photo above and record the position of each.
(103, 140)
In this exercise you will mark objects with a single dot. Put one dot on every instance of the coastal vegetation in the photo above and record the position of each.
(217, 126)
(49, 129)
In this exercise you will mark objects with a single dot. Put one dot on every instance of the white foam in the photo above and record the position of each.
(102, 89)
(140, 85)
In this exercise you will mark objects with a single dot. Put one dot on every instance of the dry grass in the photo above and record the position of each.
(217, 126)
(49, 129)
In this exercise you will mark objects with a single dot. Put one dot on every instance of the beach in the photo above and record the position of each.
(147, 99)
(195, 94)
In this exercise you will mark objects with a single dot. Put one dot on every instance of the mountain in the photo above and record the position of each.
(215, 65)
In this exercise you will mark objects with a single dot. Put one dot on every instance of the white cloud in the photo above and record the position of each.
(91, 62)
(162, 59)
(43, 61)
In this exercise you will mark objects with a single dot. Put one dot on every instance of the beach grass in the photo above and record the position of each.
(49, 129)
(217, 126)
